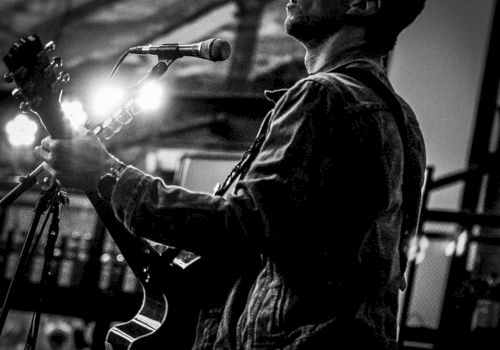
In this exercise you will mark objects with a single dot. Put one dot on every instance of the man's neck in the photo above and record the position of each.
(321, 53)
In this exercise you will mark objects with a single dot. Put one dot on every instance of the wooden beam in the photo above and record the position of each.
(249, 21)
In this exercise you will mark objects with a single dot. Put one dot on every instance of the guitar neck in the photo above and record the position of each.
(138, 253)
(52, 117)
(39, 80)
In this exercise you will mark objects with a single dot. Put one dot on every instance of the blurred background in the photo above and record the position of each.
(201, 115)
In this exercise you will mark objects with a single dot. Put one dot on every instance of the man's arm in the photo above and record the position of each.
(281, 199)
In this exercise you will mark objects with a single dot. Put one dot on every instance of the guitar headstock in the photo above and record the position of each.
(39, 81)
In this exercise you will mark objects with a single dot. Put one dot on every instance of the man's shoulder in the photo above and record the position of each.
(334, 82)
(344, 90)
(327, 84)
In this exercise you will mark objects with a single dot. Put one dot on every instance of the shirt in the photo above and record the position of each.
(309, 240)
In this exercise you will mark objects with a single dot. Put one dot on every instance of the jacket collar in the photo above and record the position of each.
(347, 57)
(274, 95)
(341, 60)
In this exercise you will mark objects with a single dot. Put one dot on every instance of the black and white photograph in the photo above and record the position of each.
(249, 174)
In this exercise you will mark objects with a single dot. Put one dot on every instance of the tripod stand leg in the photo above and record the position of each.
(42, 205)
(44, 280)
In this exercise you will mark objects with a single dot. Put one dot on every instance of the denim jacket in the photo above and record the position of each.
(311, 232)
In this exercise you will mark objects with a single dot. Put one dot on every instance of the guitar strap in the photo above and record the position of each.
(246, 159)
(411, 205)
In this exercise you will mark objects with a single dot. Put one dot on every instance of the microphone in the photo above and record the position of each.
(211, 49)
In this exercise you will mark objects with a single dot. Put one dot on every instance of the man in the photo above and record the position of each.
(315, 229)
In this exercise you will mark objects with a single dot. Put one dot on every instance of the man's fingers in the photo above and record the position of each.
(49, 169)
(43, 153)
(83, 131)
(44, 144)
(47, 144)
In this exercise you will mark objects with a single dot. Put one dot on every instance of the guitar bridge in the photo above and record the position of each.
(179, 257)
(185, 258)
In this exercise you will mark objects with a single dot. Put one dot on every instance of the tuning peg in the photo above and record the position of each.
(8, 77)
(57, 62)
(25, 107)
(65, 77)
(50, 46)
(17, 93)
(62, 78)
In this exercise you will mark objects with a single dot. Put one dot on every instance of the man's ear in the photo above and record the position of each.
(362, 8)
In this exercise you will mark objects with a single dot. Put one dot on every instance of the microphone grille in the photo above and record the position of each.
(215, 49)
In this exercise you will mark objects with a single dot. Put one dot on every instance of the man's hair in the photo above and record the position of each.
(393, 17)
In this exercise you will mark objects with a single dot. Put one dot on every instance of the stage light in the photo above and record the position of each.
(422, 249)
(417, 249)
(21, 131)
(73, 110)
(150, 96)
(458, 246)
(450, 248)
(462, 240)
(107, 100)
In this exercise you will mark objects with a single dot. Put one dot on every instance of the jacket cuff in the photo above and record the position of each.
(127, 194)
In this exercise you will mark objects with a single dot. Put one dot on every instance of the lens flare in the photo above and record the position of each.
(149, 97)
(73, 110)
(21, 131)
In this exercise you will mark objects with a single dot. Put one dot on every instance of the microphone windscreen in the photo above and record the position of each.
(215, 49)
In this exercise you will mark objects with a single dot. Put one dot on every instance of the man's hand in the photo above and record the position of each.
(78, 162)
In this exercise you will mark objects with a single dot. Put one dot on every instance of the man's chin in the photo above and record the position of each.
(288, 24)
(295, 29)
(305, 31)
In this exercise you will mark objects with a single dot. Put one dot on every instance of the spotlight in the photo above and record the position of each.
(462, 243)
(73, 110)
(107, 100)
(149, 96)
(21, 131)
(450, 248)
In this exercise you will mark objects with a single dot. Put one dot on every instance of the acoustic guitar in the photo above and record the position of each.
(169, 280)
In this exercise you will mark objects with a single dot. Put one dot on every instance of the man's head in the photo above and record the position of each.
(383, 20)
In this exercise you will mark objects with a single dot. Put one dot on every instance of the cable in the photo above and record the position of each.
(116, 66)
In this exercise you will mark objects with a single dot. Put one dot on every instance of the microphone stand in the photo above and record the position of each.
(50, 199)
(60, 198)
(26, 182)
(47, 200)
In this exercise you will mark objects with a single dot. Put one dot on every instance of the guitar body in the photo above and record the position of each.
(137, 334)
(39, 86)
(151, 329)
(173, 291)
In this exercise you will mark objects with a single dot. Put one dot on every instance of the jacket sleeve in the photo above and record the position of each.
(279, 202)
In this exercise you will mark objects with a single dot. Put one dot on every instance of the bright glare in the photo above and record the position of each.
(73, 110)
(107, 100)
(413, 248)
(462, 243)
(457, 247)
(150, 96)
(422, 250)
(21, 131)
(450, 248)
